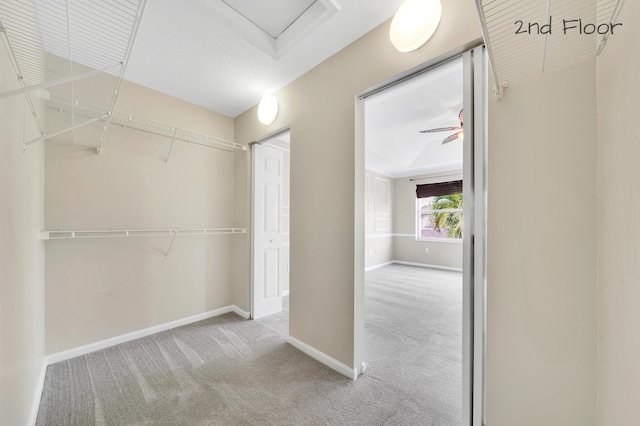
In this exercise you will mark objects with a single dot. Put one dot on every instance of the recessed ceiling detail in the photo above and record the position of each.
(273, 26)
(205, 61)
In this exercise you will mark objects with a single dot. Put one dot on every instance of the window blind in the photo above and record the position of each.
(440, 188)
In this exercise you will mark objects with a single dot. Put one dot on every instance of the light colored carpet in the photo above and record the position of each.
(230, 371)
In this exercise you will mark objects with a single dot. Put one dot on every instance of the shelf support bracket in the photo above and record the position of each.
(68, 129)
(498, 90)
(166, 255)
(173, 139)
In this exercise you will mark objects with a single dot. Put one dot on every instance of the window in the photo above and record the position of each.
(439, 211)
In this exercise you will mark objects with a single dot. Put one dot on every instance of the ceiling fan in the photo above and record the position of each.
(458, 134)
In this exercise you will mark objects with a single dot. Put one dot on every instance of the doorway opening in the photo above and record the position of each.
(421, 256)
(270, 225)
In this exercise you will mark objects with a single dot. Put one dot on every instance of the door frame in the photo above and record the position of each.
(474, 240)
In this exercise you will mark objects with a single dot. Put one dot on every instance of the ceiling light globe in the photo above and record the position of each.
(268, 110)
(414, 23)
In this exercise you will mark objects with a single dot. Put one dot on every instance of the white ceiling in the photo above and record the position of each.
(393, 119)
(225, 55)
(191, 50)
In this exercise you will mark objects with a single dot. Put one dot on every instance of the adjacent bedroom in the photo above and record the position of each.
(413, 235)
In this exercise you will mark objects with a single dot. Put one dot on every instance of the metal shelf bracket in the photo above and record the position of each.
(498, 90)
(173, 139)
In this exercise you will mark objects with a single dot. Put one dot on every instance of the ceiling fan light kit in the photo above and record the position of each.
(414, 24)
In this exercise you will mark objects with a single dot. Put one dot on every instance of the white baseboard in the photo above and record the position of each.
(325, 359)
(380, 265)
(421, 265)
(35, 406)
(240, 312)
(92, 347)
(426, 265)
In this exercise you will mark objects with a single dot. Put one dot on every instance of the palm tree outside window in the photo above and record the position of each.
(441, 217)
(439, 211)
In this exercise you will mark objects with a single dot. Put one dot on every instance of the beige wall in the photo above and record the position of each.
(396, 240)
(542, 276)
(541, 297)
(407, 249)
(319, 107)
(618, 230)
(102, 288)
(21, 255)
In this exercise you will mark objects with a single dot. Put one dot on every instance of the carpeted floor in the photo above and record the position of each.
(230, 371)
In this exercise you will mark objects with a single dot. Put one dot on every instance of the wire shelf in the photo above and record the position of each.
(70, 55)
(71, 50)
(527, 38)
(125, 233)
(132, 121)
(65, 234)
(175, 133)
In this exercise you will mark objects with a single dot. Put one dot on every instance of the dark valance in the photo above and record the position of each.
(440, 188)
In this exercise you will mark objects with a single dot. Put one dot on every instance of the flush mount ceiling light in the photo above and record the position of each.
(267, 109)
(414, 23)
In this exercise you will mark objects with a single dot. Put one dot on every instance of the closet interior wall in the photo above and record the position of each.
(21, 254)
(106, 287)
(107, 145)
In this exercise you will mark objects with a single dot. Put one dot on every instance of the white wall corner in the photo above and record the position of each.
(35, 407)
(240, 312)
(380, 265)
(325, 359)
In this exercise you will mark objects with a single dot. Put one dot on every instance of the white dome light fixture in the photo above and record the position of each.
(414, 23)
(268, 110)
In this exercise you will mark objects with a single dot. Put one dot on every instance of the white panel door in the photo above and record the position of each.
(268, 168)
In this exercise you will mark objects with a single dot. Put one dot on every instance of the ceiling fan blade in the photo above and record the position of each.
(452, 137)
(440, 129)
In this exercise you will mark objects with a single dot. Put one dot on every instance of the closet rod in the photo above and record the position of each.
(104, 233)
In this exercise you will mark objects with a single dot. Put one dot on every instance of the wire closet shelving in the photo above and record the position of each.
(111, 233)
(76, 50)
(527, 38)
(71, 56)
(63, 234)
